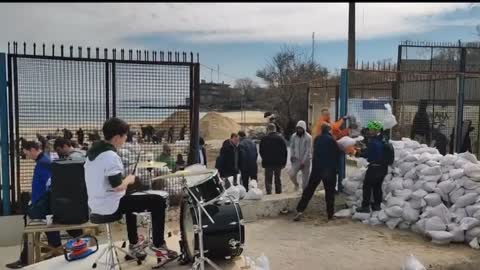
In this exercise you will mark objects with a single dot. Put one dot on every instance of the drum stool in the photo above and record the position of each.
(111, 249)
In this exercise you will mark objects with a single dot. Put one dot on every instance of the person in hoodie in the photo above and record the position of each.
(325, 164)
(248, 159)
(273, 150)
(301, 155)
(377, 169)
(106, 189)
(420, 131)
(41, 176)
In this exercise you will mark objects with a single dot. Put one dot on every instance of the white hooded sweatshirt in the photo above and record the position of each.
(301, 147)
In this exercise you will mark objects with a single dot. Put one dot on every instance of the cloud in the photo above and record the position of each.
(121, 24)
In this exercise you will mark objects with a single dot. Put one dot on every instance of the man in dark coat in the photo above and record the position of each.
(228, 160)
(324, 168)
(273, 150)
(248, 159)
(421, 125)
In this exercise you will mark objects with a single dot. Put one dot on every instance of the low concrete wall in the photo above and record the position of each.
(272, 205)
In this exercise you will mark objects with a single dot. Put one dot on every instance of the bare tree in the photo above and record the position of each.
(245, 84)
(288, 75)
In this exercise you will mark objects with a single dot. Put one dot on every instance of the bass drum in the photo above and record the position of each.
(224, 239)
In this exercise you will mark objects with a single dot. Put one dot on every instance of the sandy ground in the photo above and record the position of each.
(341, 245)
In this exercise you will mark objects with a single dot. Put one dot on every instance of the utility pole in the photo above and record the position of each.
(218, 72)
(351, 35)
(313, 46)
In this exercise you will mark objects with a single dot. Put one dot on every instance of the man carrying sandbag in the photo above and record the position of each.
(379, 154)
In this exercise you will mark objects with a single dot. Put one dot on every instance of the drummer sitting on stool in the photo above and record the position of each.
(106, 190)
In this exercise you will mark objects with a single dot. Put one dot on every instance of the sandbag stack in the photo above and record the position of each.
(431, 194)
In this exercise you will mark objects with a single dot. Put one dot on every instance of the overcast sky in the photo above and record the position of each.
(240, 37)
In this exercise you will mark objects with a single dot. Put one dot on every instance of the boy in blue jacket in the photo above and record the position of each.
(40, 184)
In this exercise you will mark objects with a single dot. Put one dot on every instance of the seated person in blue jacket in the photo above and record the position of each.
(107, 185)
(41, 177)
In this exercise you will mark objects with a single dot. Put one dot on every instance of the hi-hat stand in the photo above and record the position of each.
(198, 229)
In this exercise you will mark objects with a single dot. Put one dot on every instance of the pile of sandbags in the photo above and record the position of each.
(426, 192)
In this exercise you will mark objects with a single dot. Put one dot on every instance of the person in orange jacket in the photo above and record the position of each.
(337, 130)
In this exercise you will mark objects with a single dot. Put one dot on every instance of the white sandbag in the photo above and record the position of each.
(410, 214)
(407, 183)
(389, 121)
(254, 193)
(404, 225)
(458, 234)
(435, 224)
(393, 222)
(474, 243)
(411, 263)
(344, 213)
(388, 177)
(418, 204)
(397, 144)
(352, 186)
(360, 175)
(425, 149)
(446, 186)
(396, 183)
(431, 171)
(456, 173)
(411, 158)
(456, 194)
(419, 227)
(472, 233)
(465, 200)
(394, 211)
(448, 159)
(346, 142)
(420, 167)
(424, 156)
(433, 163)
(440, 211)
(429, 186)
(433, 199)
(445, 177)
(461, 162)
(472, 209)
(411, 174)
(382, 216)
(468, 223)
(440, 237)
(468, 156)
(437, 157)
(374, 221)
(359, 193)
(361, 216)
(419, 194)
(405, 167)
(411, 144)
(395, 201)
(469, 184)
(242, 191)
(418, 185)
(402, 193)
(440, 193)
(459, 213)
(432, 178)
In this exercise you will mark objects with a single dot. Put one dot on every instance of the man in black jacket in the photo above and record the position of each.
(421, 125)
(248, 159)
(273, 150)
(324, 167)
(228, 160)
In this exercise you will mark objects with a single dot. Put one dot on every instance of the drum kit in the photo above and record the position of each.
(211, 223)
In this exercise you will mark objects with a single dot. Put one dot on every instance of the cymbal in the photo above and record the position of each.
(185, 173)
(151, 165)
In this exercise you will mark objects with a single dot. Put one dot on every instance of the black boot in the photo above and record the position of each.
(363, 209)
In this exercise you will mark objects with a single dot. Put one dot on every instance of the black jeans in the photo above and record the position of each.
(246, 176)
(373, 184)
(328, 176)
(269, 173)
(154, 204)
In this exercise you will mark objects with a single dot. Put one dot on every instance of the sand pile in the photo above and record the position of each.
(176, 120)
(216, 126)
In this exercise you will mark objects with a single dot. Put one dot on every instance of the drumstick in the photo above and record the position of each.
(136, 163)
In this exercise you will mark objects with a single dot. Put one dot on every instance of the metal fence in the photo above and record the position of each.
(70, 93)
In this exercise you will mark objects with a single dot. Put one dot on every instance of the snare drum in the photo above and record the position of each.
(206, 187)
